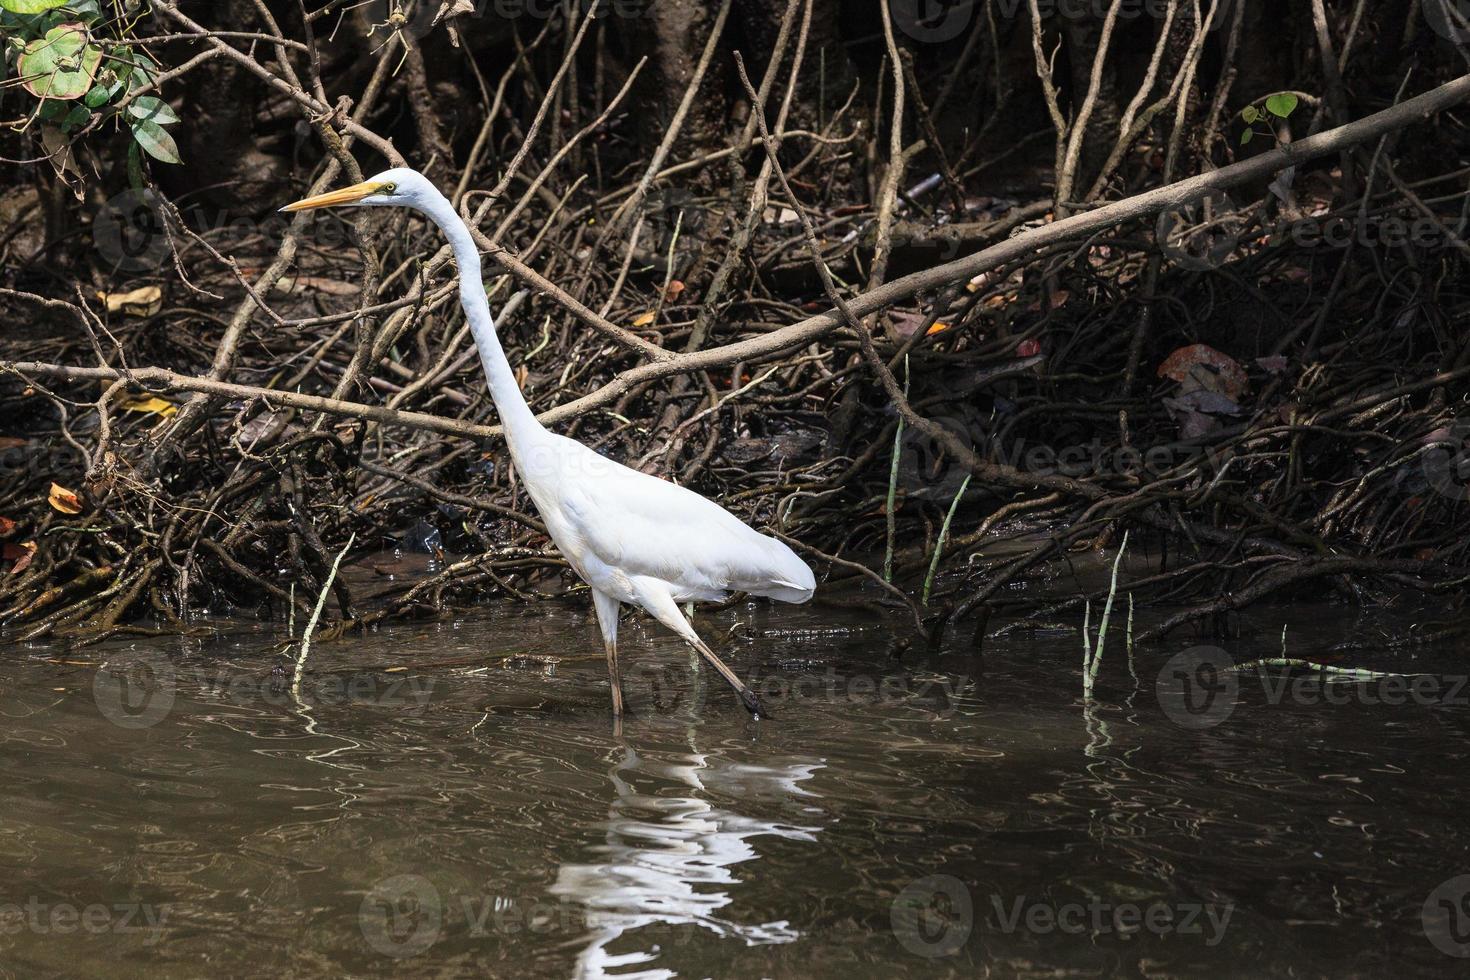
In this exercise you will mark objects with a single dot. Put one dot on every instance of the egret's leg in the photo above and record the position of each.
(607, 618)
(662, 607)
(693, 653)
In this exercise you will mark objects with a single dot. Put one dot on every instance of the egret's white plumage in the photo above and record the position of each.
(632, 537)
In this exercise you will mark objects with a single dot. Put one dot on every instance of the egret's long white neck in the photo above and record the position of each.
(521, 426)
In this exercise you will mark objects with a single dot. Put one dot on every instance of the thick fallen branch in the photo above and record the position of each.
(160, 380)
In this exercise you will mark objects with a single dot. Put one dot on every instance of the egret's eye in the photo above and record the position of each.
(389, 188)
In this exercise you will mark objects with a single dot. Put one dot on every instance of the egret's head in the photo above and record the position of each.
(399, 187)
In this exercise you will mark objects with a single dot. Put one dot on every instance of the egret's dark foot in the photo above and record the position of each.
(753, 704)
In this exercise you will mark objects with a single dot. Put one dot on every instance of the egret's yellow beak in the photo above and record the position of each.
(347, 195)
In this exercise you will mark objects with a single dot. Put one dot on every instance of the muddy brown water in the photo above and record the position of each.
(176, 808)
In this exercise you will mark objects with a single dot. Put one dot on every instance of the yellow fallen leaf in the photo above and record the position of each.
(938, 327)
(143, 301)
(151, 404)
(64, 500)
(643, 320)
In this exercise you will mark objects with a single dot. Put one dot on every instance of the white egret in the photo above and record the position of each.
(632, 537)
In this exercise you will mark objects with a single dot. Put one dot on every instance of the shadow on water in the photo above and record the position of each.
(414, 807)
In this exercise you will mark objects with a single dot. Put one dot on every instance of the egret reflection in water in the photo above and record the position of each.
(671, 860)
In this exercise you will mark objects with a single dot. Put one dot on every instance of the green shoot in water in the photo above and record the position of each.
(1092, 661)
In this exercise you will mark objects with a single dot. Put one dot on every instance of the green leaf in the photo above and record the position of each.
(1281, 104)
(78, 116)
(31, 6)
(148, 107)
(61, 64)
(135, 168)
(156, 141)
(88, 10)
(1250, 114)
(142, 72)
(1247, 136)
(108, 87)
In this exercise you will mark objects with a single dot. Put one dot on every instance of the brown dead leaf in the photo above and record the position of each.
(266, 428)
(143, 301)
(905, 323)
(64, 500)
(1200, 366)
(59, 152)
(11, 442)
(6, 526)
(1200, 412)
(643, 320)
(676, 287)
(21, 554)
(1057, 299)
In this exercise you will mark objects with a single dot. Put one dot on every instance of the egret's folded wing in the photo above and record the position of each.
(647, 526)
